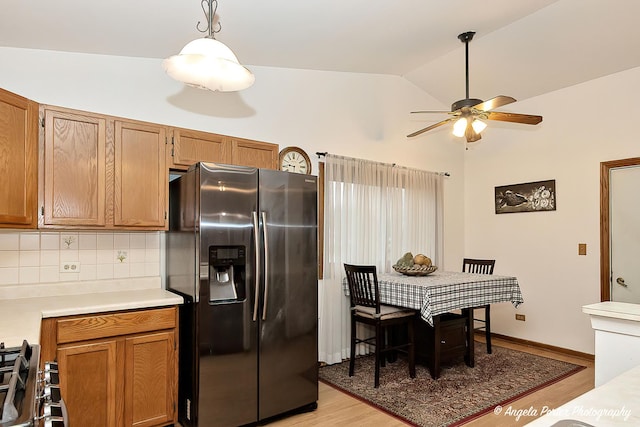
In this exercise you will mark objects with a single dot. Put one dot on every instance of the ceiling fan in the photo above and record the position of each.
(467, 114)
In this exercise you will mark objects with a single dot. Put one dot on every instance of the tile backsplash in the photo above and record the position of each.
(64, 256)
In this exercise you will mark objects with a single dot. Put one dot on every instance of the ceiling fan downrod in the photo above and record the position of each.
(466, 102)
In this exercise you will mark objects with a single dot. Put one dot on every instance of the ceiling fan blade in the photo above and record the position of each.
(428, 128)
(431, 112)
(527, 119)
(493, 103)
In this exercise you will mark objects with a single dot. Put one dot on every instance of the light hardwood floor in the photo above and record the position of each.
(338, 409)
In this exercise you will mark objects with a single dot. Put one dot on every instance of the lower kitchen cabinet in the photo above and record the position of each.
(116, 369)
(150, 393)
(88, 375)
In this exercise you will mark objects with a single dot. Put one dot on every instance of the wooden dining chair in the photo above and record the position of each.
(481, 266)
(364, 295)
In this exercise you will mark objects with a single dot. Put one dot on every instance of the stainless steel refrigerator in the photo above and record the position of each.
(242, 251)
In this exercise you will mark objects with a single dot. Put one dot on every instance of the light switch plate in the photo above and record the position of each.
(582, 248)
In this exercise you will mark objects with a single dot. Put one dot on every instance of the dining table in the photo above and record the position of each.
(437, 294)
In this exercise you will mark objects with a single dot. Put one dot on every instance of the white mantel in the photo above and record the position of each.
(617, 338)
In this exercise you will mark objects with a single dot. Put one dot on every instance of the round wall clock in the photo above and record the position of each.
(294, 159)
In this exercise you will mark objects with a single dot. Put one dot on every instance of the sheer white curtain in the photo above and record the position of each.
(373, 214)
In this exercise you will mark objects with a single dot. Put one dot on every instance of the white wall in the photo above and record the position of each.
(366, 116)
(583, 125)
(357, 115)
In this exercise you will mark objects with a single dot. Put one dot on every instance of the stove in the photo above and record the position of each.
(28, 398)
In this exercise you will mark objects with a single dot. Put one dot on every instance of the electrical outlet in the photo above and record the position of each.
(520, 317)
(70, 267)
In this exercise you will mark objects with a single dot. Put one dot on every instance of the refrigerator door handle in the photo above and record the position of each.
(266, 265)
(256, 234)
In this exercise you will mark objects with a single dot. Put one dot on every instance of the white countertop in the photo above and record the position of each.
(24, 306)
(617, 310)
(615, 403)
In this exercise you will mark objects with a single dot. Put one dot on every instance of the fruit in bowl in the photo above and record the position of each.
(421, 259)
(406, 260)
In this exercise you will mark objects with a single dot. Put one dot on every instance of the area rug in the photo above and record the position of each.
(459, 395)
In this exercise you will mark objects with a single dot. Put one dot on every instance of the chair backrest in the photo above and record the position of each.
(363, 285)
(478, 266)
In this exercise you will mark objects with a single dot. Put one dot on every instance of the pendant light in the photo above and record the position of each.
(206, 63)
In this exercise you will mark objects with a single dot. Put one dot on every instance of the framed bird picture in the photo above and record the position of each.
(529, 197)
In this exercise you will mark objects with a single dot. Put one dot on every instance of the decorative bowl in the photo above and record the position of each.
(415, 270)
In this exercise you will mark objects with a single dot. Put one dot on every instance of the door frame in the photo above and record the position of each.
(605, 225)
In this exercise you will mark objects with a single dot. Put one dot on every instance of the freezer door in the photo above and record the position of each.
(227, 333)
(288, 361)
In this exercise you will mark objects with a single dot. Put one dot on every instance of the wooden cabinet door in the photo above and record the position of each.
(74, 168)
(88, 374)
(191, 147)
(245, 152)
(141, 176)
(150, 380)
(18, 161)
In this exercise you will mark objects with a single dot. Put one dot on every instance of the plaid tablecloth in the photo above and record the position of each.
(443, 291)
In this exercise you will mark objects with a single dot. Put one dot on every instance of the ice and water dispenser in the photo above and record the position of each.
(227, 268)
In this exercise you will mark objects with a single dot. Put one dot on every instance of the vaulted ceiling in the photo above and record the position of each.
(521, 48)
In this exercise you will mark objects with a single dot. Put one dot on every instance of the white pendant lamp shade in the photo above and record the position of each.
(209, 64)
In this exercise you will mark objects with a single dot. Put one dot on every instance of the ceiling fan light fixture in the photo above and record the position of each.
(459, 127)
(472, 108)
(478, 125)
(207, 63)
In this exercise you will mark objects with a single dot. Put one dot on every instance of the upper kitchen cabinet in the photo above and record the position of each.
(141, 175)
(190, 146)
(74, 168)
(102, 172)
(245, 152)
(18, 161)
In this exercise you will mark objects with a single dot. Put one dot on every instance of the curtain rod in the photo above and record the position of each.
(321, 154)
